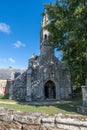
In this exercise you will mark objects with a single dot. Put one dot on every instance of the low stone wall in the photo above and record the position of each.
(15, 120)
(82, 109)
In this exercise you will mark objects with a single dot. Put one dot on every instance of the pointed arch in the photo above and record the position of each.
(50, 90)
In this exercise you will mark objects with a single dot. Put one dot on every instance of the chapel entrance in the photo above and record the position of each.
(50, 90)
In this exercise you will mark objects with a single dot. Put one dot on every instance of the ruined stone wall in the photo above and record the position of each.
(12, 120)
(65, 83)
(19, 87)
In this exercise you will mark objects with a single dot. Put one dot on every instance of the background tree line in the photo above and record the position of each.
(68, 33)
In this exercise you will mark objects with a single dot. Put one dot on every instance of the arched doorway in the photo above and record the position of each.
(50, 92)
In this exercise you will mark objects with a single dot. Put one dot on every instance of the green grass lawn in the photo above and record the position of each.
(68, 108)
(51, 109)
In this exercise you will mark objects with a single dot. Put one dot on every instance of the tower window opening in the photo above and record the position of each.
(45, 37)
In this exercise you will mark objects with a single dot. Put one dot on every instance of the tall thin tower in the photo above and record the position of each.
(44, 34)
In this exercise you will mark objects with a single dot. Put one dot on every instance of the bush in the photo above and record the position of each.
(2, 96)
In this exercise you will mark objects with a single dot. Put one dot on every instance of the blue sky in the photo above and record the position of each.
(20, 22)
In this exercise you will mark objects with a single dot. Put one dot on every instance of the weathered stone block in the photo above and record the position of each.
(76, 121)
(33, 120)
(21, 119)
(6, 117)
(48, 120)
(3, 110)
(67, 127)
(31, 127)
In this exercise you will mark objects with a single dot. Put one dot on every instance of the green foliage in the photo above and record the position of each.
(68, 33)
(6, 96)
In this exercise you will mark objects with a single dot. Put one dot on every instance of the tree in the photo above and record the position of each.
(68, 33)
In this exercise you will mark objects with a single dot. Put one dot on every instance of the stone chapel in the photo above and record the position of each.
(46, 78)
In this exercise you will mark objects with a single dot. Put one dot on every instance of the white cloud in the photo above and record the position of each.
(19, 44)
(11, 60)
(5, 28)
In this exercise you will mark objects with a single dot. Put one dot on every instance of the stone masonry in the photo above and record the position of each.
(83, 107)
(46, 77)
(15, 120)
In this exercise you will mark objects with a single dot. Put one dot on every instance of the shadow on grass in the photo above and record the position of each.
(67, 107)
(45, 106)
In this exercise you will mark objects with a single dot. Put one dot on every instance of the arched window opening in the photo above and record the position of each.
(45, 37)
(50, 92)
